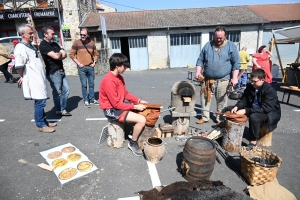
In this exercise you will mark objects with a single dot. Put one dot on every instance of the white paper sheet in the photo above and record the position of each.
(58, 170)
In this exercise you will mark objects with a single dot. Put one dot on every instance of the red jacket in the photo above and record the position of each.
(113, 92)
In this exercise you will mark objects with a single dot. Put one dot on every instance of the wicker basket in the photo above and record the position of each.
(256, 173)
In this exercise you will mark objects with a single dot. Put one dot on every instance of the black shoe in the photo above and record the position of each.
(65, 113)
(250, 146)
(95, 102)
(134, 147)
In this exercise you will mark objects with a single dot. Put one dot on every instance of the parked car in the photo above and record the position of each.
(10, 39)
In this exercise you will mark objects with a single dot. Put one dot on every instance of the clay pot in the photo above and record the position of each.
(154, 149)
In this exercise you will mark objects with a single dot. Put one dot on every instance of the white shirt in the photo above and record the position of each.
(34, 78)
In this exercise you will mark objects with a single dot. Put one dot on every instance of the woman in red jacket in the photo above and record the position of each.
(261, 60)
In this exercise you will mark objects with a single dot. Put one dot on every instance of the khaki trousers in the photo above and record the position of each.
(219, 89)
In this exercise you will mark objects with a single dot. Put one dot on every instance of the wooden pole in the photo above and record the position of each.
(279, 59)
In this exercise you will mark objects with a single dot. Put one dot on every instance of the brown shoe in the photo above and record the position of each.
(221, 124)
(46, 129)
(201, 121)
(51, 124)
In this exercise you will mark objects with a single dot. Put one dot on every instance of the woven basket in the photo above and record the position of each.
(256, 173)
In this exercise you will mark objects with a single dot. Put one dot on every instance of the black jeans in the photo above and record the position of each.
(3, 69)
(256, 120)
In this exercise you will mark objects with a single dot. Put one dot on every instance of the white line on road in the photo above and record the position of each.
(297, 110)
(2, 120)
(95, 119)
(130, 198)
(50, 120)
(153, 174)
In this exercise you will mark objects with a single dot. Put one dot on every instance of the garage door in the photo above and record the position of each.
(184, 49)
(115, 45)
(138, 53)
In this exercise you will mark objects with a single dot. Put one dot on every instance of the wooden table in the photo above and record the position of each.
(289, 90)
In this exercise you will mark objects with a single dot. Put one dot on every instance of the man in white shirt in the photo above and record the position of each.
(33, 78)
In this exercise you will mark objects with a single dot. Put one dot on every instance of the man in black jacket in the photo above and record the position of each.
(260, 103)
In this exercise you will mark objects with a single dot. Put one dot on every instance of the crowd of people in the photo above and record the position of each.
(218, 66)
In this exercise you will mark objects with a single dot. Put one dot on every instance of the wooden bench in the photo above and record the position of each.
(288, 90)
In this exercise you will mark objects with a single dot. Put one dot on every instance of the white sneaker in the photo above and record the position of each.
(87, 104)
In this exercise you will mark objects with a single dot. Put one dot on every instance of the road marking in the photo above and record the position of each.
(2, 120)
(95, 119)
(153, 174)
(130, 198)
(49, 120)
(297, 110)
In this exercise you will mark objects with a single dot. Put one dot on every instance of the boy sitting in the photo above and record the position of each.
(112, 95)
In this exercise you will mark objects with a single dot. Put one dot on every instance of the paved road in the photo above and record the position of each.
(120, 174)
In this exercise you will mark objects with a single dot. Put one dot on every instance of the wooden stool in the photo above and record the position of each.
(264, 136)
(116, 136)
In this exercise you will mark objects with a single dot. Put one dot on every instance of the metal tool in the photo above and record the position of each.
(168, 109)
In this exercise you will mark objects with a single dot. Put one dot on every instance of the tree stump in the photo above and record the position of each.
(232, 139)
(181, 125)
(116, 136)
(265, 137)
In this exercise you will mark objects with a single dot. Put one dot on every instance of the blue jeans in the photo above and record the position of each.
(87, 75)
(39, 113)
(243, 79)
(60, 90)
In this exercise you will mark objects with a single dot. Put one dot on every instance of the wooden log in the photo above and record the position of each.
(265, 137)
(232, 139)
(116, 136)
(181, 125)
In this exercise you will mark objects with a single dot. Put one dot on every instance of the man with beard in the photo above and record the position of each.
(219, 62)
(53, 55)
(85, 55)
(31, 69)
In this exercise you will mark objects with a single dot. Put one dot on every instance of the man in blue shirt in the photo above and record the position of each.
(219, 62)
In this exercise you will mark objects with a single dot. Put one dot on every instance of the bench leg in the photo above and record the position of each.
(288, 98)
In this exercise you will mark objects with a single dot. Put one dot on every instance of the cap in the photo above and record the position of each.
(15, 42)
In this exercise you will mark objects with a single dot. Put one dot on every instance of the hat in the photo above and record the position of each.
(15, 42)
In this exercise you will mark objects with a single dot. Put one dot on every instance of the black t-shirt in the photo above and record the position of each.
(52, 65)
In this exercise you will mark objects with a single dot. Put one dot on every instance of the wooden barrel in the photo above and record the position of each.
(232, 140)
(199, 155)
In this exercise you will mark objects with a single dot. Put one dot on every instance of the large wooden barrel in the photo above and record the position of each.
(199, 155)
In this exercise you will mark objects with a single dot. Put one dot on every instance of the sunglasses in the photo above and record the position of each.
(83, 35)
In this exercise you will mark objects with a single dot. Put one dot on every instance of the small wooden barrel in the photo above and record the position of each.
(154, 149)
(199, 155)
(116, 136)
(232, 140)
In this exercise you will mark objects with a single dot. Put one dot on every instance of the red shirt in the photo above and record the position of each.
(113, 92)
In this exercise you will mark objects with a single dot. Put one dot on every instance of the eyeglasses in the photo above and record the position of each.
(83, 35)
(252, 81)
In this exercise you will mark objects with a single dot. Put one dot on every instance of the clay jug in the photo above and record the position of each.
(154, 149)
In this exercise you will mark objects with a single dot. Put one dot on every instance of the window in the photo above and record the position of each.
(137, 42)
(233, 36)
(185, 39)
(115, 43)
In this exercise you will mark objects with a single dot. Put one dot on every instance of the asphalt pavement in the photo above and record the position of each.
(120, 173)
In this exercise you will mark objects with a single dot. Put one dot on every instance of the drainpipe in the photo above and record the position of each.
(168, 49)
(258, 35)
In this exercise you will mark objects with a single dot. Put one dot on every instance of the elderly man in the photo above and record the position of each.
(219, 63)
(53, 55)
(32, 72)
